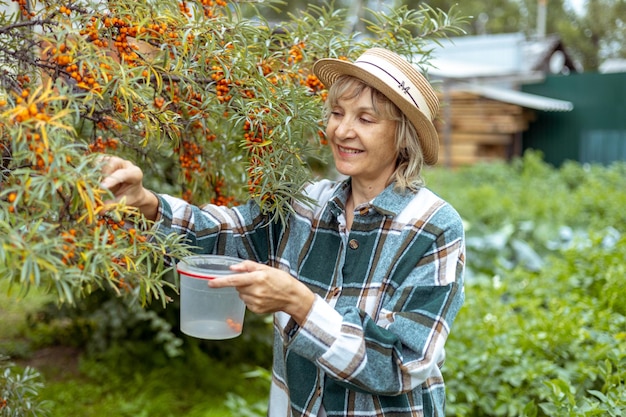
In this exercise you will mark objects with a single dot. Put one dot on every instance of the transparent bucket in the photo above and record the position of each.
(209, 313)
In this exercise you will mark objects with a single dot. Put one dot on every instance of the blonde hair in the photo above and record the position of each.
(410, 159)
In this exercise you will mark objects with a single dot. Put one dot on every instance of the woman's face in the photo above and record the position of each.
(363, 144)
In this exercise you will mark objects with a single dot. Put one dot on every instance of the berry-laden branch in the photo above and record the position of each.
(213, 102)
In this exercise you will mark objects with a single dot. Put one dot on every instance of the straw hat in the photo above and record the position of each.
(400, 82)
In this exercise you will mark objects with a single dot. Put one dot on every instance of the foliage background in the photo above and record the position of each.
(595, 34)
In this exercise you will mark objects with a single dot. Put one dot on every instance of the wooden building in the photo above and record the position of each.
(483, 110)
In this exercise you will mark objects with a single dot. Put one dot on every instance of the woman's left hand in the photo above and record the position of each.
(266, 290)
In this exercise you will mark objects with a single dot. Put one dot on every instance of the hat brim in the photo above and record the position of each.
(328, 70)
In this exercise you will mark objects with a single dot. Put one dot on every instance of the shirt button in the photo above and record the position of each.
(336, 291)
(354, 244)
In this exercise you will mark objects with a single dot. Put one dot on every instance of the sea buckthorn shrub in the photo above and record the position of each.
(213, 102)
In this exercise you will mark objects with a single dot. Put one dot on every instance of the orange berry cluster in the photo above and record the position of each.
(25, 8)
(121, 281)
(187, 195)
(92, 33)
(160, 33)
(69, 248)
(222, 89)
(122, 284)
(121, 30)
(84, 78)
(125, 50)
(118, 229)
(190, 157)
(108, 123)
(221, 199)
(266, 68)
(209, 7)
(255, 135)
(25, 111)
(133, 236)
(313, 83)
(295, 53)
(101, 145)
(11, 199)
(74, 250)
(194, 101)
(22, 79)
(159, 102)
(65, 10)
(254, 177)
(184, 9)
(322, 134)
(43, 155)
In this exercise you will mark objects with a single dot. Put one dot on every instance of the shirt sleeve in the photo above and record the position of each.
(237, 231)
(403, 347)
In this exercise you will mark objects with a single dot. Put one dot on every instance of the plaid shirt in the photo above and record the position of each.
(387, 292)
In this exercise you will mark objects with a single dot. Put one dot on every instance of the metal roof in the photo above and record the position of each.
(477, 56)
(498, 55)
(520, 98)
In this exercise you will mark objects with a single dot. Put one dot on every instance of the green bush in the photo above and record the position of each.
(543, 330)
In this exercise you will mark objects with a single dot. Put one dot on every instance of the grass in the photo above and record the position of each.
(184, 388)
(14, 310)
(117, 383)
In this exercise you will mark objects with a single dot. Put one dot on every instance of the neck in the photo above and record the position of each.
(361, 193)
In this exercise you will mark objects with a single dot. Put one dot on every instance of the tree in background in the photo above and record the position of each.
(595, 35)
(211, 100)
(599, 33)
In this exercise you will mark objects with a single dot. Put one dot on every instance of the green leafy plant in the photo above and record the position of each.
(542, 330)
(19, 391)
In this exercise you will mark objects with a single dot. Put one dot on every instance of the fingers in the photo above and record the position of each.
(109, 164)
(248, 266)
(241, 277)
(119, 172)
(266, 290)
(129, 174)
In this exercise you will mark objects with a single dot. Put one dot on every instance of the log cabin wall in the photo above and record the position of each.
(476, 129)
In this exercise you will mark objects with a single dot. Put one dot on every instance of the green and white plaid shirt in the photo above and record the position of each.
(387, 293)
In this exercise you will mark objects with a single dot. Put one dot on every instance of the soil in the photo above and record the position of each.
(55, 361)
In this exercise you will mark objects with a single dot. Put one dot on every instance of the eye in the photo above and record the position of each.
(368, 118)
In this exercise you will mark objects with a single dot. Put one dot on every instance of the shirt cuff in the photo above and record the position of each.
(319, 331)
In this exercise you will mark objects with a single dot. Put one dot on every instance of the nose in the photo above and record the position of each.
(344, 129)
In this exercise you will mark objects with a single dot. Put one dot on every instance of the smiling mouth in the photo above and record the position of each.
(348, 150)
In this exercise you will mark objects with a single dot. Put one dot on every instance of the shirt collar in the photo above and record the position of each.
(389, 202)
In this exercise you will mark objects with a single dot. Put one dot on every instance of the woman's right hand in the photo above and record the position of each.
(125, 180)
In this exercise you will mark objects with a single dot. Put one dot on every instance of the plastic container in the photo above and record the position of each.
(209, 313)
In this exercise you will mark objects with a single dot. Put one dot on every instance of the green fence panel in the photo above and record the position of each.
(594, 131)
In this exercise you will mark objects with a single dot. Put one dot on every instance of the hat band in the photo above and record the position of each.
(396, 79)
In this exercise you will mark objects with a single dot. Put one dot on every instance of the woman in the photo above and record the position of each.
(365, 282)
